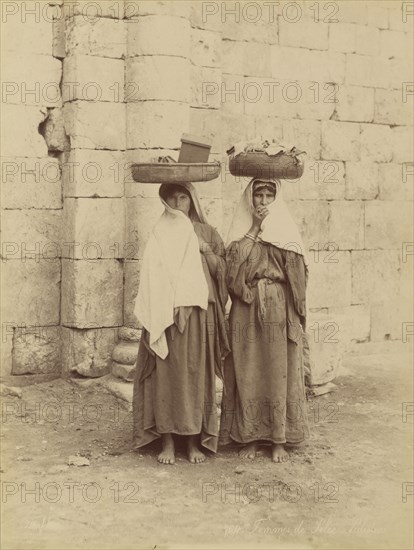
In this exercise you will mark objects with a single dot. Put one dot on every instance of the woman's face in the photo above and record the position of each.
(179, 201)
(263, 197)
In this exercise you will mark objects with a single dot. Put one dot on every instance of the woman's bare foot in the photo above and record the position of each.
(194, 454)
(279, 454)
(167, 455)
(249, 451)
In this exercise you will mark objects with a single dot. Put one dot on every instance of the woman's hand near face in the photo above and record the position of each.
(259, 214)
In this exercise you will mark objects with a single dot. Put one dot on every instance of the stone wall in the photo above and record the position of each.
(119, 82)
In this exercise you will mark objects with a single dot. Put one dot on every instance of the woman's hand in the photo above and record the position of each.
(259, 214)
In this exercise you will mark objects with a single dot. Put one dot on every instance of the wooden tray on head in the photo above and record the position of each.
(177, 172)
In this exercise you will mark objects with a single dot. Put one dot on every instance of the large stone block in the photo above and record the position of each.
(205, 48)
(390, 109)
(377, 15)
(361, 71)
(31, 183)
(361, 180)
(393, 186)
(96, 227)
(312, 219)
(141, 215)
(392, 44)
(36, 350)
(375, 275)
(354, 322)
(131, 286)
(307, 65)
(83, 286)
(321, 180)
(158, 77)
(355, 104)
(87, 352)
(342, 37)
(386, 320)
(290, 63)
(367, 40)
(32, 234)
(31, 292)
(144, 36)
(20, 131)
(93, 173)
(340, 140)
(388, 224)
(268, 126)
(206, 88)
(104, 37)
(327, 66)
(305, 135)
(248, 59)
(315, 100)
(32, 80)
(303, 34)
(402, 144)
(27, 28)
(269, 97)
(375, 140)
(329, 279)
(346, 224)
(168, 121)
(87, 125)
(92, 78)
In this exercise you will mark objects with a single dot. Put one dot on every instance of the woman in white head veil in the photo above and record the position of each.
(180, 304)
(264, 392)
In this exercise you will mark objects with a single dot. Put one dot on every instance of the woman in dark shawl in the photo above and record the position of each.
(264, 392)
(180, 304)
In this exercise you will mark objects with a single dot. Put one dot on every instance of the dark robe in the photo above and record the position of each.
(264, 393)
(178, 394)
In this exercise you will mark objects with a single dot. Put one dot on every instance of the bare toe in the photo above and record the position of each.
(249, 451)
(279, 454)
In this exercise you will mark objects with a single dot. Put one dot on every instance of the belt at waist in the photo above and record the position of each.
(265, 281)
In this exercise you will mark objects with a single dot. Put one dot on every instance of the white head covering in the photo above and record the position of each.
(278, 227)
(171, 274)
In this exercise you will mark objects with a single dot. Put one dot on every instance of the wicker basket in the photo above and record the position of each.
(178, 172)
(258, 164)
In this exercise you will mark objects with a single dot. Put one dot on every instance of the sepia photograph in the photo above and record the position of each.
(207, 255)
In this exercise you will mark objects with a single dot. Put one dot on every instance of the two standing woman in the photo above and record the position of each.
(181, 305)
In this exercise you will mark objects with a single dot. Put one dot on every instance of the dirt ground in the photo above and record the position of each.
(350, 487)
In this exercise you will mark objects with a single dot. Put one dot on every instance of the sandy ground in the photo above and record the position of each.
(348, 488)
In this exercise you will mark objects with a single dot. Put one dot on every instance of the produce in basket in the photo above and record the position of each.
(265, 159)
